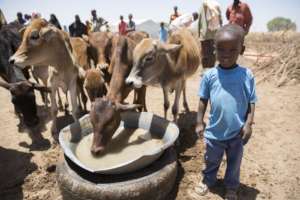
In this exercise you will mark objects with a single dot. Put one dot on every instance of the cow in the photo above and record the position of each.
(45, 45)
(100, 48)
(105, 111)
(22, 91)
(137, 36)
(94, 84)
(168, 65)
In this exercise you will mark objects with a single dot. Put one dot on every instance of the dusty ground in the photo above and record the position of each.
(270, 168)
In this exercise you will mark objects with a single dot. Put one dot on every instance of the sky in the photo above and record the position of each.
(158, 10)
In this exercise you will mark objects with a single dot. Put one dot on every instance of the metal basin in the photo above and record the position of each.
(156, 126)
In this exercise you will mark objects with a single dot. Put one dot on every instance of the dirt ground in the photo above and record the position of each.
(270, 167)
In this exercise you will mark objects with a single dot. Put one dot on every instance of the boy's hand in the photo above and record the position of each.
(200, 127)
(246, 133)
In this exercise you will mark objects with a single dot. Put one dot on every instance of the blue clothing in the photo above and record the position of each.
(213, 158)
(163, 35)
(230, 91)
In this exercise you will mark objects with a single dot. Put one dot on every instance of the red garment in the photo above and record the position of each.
(122, 28)
(240, 15)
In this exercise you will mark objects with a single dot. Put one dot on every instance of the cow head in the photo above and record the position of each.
(23, 99)
(105, 118)
(149, 59)
(94, 84)
(101, 44)
(41, 45)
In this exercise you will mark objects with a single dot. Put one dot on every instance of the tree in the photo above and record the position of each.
(281, 24)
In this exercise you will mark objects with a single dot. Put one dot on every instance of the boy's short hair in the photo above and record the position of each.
(232, 29)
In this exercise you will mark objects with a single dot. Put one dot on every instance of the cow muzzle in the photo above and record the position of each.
(18, 60)
(135, 82)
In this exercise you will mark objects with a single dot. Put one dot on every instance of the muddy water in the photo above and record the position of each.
(129, 144)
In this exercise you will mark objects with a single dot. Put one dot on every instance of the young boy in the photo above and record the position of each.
(230, 88)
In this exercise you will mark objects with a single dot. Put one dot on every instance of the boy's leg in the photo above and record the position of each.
(213, 157)
(234, 153)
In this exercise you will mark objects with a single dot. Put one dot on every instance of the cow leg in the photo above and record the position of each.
(166, 101)
(140, 98)
(66, 103)
(185, 104)
(60, 105)
(175, 106)
(73, 94)
(54, 111)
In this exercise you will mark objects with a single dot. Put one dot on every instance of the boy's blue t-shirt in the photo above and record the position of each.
(230, 91)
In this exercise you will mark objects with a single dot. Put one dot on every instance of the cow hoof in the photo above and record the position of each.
(153, 182)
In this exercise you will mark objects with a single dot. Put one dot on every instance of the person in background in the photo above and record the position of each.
(183, 21)
(20, 18)
(77, 28)
(210, 20)
(239, 13)
(122, 26)
(230, 90)
(131, 24)
(53, 20)
(174, 15)
(163, 33)
(66, 28)
(2, 19)
(97, 22)
(27, 18)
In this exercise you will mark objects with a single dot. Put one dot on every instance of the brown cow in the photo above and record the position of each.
(137, 36)
(105, 112)
(166, 64)
(45, 45)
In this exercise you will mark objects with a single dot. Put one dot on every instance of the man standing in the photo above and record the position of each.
(97, 22)
(174, 15)
(239, 13)
(122, 26)
(20, 18)
(77, 28)
(131, 24)
(210, 20)
(163, 33)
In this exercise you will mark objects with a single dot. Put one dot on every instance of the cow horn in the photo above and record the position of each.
(126, 107)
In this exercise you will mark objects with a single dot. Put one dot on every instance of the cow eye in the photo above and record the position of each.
(34, 35)
(149, 58)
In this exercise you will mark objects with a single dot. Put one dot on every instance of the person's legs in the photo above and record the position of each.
(234, 153)
(213, 157)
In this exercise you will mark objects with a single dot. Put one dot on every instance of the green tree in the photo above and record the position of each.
(281, 24)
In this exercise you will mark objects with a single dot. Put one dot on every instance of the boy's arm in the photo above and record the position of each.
(200, 125)
(246, 131)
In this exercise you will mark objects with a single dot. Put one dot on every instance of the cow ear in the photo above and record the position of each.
(47, 33)
(169, 48)
(5, 85)
(127, 107)
(21, 31)
(85, 38)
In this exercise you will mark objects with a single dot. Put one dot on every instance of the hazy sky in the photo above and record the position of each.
(158, 10)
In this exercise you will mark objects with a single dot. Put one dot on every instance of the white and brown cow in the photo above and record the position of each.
(168, 65)
(45, 45)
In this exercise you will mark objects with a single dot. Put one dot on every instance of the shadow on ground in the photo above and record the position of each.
(15, 166)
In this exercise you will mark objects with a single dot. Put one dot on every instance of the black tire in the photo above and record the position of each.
(151, 183)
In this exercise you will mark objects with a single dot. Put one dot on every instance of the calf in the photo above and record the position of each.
(166, 64)
(105, 112)
(45, 45)
(22, 91)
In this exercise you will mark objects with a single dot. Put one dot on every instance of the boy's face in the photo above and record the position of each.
(228, 49)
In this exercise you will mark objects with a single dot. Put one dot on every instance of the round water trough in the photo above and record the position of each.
(151, 176)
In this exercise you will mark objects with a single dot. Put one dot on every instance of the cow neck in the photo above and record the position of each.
(67, 55)
(117, 83)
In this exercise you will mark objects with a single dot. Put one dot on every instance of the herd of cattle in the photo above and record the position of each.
(105, 66)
